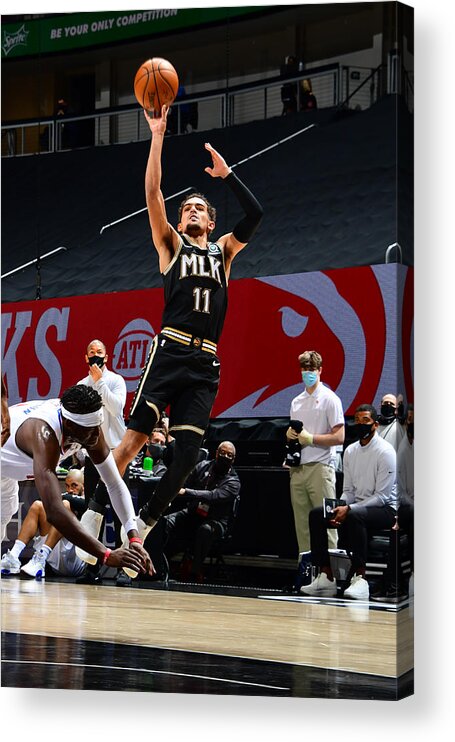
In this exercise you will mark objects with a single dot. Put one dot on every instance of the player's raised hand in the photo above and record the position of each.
(220, 168)
(157, 123)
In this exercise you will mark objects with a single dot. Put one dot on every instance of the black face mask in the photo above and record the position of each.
(99, 360)
(410, 431)
(156, 451)
(387, 412)
(361, 430)
(222, 465)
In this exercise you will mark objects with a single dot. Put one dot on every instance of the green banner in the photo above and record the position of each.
(77, 30)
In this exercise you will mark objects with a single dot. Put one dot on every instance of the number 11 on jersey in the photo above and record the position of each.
(202, 300)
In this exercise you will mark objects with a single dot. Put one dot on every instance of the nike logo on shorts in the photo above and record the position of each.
(216, 363)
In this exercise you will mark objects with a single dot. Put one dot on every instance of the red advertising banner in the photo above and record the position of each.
(359, 319)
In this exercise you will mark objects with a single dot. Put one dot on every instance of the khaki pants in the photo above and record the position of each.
(309, 484)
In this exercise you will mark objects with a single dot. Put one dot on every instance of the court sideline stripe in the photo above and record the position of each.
(143, 669)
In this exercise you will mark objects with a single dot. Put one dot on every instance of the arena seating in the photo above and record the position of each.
(319, 213)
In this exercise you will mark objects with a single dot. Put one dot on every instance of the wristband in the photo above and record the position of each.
(135, 540)
(106, 556)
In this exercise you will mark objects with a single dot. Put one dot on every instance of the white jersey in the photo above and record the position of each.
(18, 465)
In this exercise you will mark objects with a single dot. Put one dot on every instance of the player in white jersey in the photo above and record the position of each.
(44, 433)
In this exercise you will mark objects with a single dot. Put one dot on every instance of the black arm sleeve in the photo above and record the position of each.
(245, 229)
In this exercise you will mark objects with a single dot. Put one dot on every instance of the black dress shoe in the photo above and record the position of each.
(89, 578)
(392, 594)
(123, 580)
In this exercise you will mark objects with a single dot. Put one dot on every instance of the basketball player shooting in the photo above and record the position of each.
(183, 369)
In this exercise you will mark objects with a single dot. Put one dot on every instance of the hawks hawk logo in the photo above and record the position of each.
(349, 316)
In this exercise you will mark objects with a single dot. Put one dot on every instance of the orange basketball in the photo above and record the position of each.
(156, 84)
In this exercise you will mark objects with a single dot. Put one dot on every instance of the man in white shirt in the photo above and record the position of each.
(370, 494)
(394, 587)
(321, 430)
(390, 427)
(112, 389)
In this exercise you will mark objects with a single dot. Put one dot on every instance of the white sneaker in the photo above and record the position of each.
(36, 567)
(9, 564)
(410, 586)
(91, 522)
(320, 587)
(143, 530)
(358, 589)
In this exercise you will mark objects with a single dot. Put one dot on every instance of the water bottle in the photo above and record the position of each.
(147, 466)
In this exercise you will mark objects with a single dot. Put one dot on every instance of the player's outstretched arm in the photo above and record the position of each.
(164, 237)
(119, 495)
(36, 437)
(243, 231)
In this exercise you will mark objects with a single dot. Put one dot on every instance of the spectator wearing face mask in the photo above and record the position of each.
(112, 389)
(210, 491)
(316, 428)
(394, 585)
(389, 426)
(156, 449)
(370, 497)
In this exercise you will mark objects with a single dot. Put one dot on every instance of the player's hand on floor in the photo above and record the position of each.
(148, 564)
(131, 558)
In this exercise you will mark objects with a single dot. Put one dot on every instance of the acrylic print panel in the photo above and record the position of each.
(330, 268)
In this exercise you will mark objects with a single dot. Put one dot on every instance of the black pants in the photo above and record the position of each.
(352, 533)
(176, 531)
(394, 572)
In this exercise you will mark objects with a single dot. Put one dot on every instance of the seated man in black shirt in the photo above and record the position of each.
(210, 491)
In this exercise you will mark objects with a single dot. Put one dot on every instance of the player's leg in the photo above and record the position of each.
(148, 401)
(36, 567)
(34, 522)
(190, 414)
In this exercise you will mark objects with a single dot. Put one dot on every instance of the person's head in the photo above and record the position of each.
(307, 87)
(74, 482)
(224, 457)
(82, 415)
(96, 353)
(389, 406)
(311, 367)
(158, 436)
(196, 216)
(156, 444)
(365, 423)
(410, 422)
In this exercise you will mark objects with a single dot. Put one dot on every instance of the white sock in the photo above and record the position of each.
(18, 548)
(46, 551)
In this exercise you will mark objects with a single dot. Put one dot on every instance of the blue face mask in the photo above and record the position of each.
(309, 378)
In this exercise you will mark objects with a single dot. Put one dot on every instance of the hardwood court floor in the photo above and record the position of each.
(190, 640)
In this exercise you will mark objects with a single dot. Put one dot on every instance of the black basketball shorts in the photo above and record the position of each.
(185, 378)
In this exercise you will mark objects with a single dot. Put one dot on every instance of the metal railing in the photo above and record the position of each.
(333, 85)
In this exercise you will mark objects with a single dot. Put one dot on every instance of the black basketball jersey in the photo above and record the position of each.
(195, 290)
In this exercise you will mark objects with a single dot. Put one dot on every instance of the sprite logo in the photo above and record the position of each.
(11, 40)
